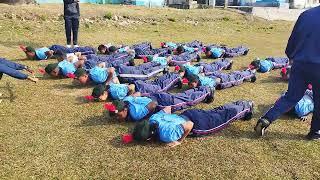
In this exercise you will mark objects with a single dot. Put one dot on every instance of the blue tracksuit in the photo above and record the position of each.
(273, 63)
(140, 47)
(194, 44)
(183, 100)
(114, 60)
(41, 53)
(232, 79)
(226, 52)
(84, 50)
(305, 105)
(160, 52)
(184, 58)
(303, 50)
(118, 91)
(142, 72)
(161, 84)
(210, 121)
(209, 68)
(138, 107)
(12, 69)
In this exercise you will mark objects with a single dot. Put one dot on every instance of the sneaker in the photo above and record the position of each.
(253, 79)
(249, 114)
(210, 98)
(68, 46)
(261, 126)
(313, 135)
(75, 46)
(230, 66)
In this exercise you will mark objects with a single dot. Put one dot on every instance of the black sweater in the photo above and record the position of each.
(71, 8)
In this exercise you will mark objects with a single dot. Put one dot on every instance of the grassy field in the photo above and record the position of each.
(47, 131)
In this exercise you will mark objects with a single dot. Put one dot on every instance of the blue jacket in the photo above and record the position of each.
(304, 42)
(71, 8)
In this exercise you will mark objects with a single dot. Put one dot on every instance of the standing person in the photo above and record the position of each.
(303, 51)
(71, 18)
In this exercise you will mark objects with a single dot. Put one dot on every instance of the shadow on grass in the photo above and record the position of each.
(270, 135)
(72, 85)
(101, 120)
(273, 79)
(9, 89)
(117, 143)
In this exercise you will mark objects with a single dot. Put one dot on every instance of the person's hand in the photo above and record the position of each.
(173, 144)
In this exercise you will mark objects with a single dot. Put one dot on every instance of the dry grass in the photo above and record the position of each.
(47, 132)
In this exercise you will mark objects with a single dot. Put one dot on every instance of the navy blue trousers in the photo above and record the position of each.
(235, 52)
(278, 62)
(209, 68)
(144, 46)
(183, 100)
(71, 25)
(85, 50)
(210, 121)
(151, 52)
(232, 79)
(161, 84)
(302, 74)
(184, 58)
(114, 60)
(12, 69)
(194, 44)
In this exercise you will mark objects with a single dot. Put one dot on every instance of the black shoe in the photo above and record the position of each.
(132, 63)
(165, 71)
(230, 66)
(210, 98)
(180, 84)
(218, 87)
(198, 58)
(1, 74)
(261, 126)
(246, 52)
(249, 115)
(313, 135)
(253, 79)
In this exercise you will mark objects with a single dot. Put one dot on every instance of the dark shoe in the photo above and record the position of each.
(165, 71)
(218, 87)
(210, 98)
(246, 52)
(249, 115)
(261, 126)
(198, 58)
(132, 63)
(253, 79)
(313, 135)
(180, 84)
(1, 74)
(230, 66)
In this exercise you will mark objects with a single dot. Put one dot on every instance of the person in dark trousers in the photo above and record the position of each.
(303, 51)
(71, 18)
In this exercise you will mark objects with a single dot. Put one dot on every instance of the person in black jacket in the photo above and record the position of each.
(71, 17)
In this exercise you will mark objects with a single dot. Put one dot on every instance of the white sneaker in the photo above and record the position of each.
(75, 46)
(68, 46)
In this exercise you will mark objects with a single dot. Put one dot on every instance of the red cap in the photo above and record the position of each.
(284, 70)
(41, 71)
(22, 47)
(145, 59)
(127, 138)
(251, 67)
(204, 49)
(110, 107)
(71, 75)
(162, 44)
(185, 81)
(177, 68)
(89, 98)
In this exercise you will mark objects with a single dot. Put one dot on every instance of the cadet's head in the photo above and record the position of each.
(285, 73)
(112, 49)
(119, 109)
(49, 53)
(60, 55)
(82, 75)
(102, 49)
(255, 64)
(208, 51)
(144, 131)
(100, 92)
(179, 50)
(30, 52)
(52, 69)
(193, 81)
(181, 70)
